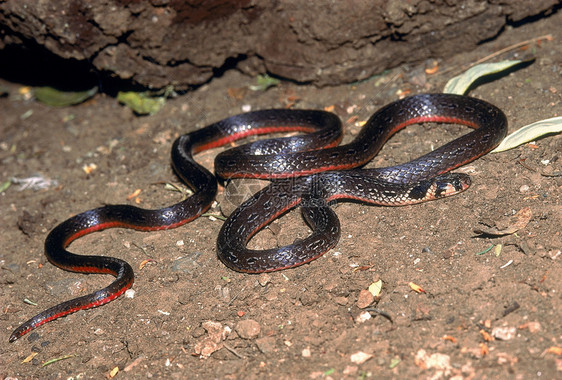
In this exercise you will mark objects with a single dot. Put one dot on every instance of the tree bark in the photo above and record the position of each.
(184, 43)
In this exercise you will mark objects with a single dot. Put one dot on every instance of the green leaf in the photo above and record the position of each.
(56, 98)
(29, 302)
(51, 361)
(530, 132)
(460, 84)
(486, 250)
(4, 186)
(141, 103)
(265, 82)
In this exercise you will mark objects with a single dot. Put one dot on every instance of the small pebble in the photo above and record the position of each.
(427, 250)
(266, 344)
(365, 299)
(437, 361)
(524, 189)
(248, 329)
(264, 279)
(350, 370)
(341, 300)
(35, 349)
(33, 337)
(99, 332)
(360, 357)
(363, 317)
(504, 333)
(198, 332)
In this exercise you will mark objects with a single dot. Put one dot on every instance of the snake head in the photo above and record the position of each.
(438, 187)
(450, 184)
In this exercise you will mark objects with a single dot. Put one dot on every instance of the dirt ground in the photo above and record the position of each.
(483, 315)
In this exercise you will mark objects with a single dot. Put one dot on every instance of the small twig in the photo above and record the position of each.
(380, 312)
(499, 52)
(235, 296)
(521, 162)
(233, 351)
(555, 174)
(142, 249)
(514, 46)
(511, 308)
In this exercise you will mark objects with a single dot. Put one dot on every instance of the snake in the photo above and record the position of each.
(310, 170)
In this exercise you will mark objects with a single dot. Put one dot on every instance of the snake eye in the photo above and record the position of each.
(445, 189)
(457, 184)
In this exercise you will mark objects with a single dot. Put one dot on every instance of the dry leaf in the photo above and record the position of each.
(416, 288)
(29, 358)
(236, 93)
(507, 226)
(487, 337)
(450, 338)
(134, 194)
(375, 288)
(554, 350)
(144, 262)
(113, 372)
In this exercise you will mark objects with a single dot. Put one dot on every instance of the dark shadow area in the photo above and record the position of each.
(534, 18)
(33, 65)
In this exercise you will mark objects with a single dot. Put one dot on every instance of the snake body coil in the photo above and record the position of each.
(309, 170)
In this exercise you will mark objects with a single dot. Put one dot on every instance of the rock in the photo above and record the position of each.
(248, 329)
(266, 344)
(364, 299)
(213, 340)
(360, 357)
(436, 361)
(183, 43)
(504, 333)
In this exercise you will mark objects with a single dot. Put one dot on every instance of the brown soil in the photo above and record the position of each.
(478, 318)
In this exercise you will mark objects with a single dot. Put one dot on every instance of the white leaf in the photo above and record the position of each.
(460, 84)
(530, 132)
